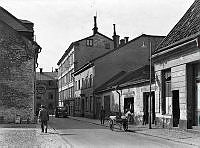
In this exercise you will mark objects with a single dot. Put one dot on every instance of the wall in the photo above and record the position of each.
(178, 63)
(129, 57)
(87, 91)
(16, 75)
(84, 54)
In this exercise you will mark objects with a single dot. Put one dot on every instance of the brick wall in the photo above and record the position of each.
(16, 75)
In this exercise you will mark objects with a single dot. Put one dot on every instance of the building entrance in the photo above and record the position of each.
(198, 104)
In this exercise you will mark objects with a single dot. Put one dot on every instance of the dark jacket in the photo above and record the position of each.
(102, 113)
(43, 115)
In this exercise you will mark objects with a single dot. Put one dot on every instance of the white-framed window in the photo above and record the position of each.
(89, 42)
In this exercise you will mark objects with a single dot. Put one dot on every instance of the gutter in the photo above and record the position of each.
(171, 49)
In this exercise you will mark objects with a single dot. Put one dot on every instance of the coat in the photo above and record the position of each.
(43, 115)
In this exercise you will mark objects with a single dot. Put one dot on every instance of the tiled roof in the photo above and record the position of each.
(111, 82)
(135, 76)
(46, 76)
(187, 27)
(11, 20)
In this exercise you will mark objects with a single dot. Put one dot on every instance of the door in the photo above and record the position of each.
(82, 107)
(129, 104)
(175, 108)
(153, 107)
(145, 107)
(198, 104)
(107, 105)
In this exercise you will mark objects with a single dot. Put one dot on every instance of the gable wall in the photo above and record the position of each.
(16, 75)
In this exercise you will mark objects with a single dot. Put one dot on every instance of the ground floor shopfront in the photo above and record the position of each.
(133, 98)
(177, 99)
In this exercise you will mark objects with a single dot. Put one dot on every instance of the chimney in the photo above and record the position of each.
(40, 70)
(126, 39)
(115, 37)
(95, 29)
(122, 42)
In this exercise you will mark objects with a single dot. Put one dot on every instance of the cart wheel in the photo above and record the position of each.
(111, 125)
(125, 126)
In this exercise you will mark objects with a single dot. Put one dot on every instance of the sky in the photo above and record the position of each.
(58, 23)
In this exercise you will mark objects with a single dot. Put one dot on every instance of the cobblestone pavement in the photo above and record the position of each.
(183, 136)
(29, 137)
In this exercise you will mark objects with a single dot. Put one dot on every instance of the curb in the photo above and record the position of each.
(140, 133)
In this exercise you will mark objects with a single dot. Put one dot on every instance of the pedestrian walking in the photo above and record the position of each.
(44, 117)
(102, 115)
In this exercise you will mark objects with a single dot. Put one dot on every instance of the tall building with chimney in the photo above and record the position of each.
(18, 62)
(125, 56)
(77, 54)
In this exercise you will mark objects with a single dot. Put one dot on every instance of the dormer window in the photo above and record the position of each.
(89, 42)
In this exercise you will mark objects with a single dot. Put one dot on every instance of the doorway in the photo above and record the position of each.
(198, 104)
(82, 107)
(175, 108)
(146, 98)
(129, 104)
(145, 107)
(107, 105)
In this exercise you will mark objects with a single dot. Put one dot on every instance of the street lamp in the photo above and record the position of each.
(150, 48)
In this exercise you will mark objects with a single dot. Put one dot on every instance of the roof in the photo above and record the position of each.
(125, 78)
(111, 82)
(119, 47)
(46, 76)
(74, 43)
(66, 53)
(187, 28)
(12, 21)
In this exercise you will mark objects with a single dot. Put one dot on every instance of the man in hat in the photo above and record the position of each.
(44, 117)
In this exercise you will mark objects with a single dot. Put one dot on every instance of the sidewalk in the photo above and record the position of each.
(183, 136)
(29, 136)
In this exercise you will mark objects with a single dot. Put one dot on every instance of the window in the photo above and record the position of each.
(50, 82)
(89, 42)
(51, 96)
(86, 82)
(83, 84)
(86, 103)
(38, 98)
(107, 45)
(91, 104)
(90, 81)
(166, 92)
(79, 84)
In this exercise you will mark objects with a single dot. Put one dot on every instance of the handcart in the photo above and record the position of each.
(119, 121)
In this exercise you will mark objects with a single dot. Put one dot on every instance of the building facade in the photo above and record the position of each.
(124, 57)
(78, 53)
(46, 90)
(18, 63)
(177, 73)
(129, 91)
(83, 86)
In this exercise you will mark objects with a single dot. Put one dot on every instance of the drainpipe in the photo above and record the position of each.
(119, 99)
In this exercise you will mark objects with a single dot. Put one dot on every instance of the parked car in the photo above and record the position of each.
(61, 112)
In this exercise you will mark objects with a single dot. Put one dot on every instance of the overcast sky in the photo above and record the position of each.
(57, 23)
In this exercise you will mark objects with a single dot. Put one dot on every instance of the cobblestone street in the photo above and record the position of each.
(31, 137)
